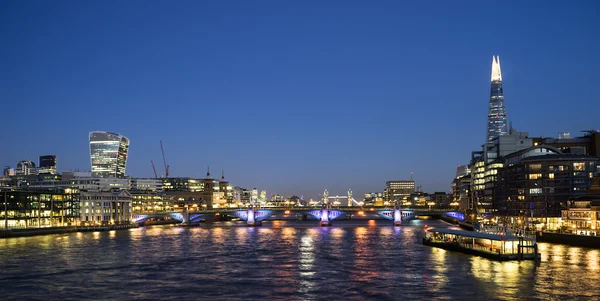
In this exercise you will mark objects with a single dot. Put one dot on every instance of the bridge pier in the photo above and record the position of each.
(397, 217)
(325, 221)
(252, 222)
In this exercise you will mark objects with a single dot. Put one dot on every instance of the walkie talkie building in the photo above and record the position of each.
(108, 154)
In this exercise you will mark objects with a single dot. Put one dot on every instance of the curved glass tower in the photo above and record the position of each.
(497, 125)
(108, 154)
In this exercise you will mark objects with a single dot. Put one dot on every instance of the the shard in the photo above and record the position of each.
(497, 125)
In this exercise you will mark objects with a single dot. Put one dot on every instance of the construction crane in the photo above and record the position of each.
(164, 160)
(154, 169)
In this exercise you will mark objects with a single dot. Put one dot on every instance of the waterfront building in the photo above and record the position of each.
(26, 168)
(418, 198)
(47, 164)
(497, 125)
(535, 184)
(588, 144)
(399, 190)
(460, 193)
(486, 164)
(108, 154)
(106, 208)
(39, 208)
(441, 199)
(582, 215)
(151, 202)
(211, 194)
(463, 170)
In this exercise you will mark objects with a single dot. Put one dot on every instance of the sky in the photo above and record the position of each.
(292, 97)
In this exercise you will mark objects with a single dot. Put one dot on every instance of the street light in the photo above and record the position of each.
(431, 204)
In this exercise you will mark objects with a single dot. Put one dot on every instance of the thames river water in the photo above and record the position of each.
(282, 260)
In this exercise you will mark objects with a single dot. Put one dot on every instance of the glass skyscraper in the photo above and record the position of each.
(497, 125)
(108, 154)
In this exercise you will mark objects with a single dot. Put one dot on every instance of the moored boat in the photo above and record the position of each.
(493, 246)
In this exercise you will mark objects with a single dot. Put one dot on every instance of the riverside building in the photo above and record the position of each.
(26, 208)
(536, 183)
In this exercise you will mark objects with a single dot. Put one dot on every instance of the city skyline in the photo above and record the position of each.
(285, 117)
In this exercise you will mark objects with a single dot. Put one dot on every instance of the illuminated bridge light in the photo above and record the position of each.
(332, 214)
(259, 215)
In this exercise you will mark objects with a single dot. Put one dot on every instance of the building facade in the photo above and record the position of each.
(108, 154)
(26, 168)
(48, 164)
(582, 215)
(106, 208)
(485, 165)
(536, 184)
(460, 193)
(39, 208)
(399, 190)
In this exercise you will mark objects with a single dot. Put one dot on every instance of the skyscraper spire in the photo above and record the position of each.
(497, 125)
(496, 73)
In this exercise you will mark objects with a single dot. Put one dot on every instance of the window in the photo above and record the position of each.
(579, 166)
(551, 176)
(535, 191)
(535, 167)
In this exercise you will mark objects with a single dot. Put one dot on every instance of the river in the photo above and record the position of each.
(282, 260)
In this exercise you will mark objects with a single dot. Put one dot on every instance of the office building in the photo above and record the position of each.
(399, 190)
(27, 208)
(108, 154)
(26, 168)
(485, 165)
(588, 144)
(582, 215)
(106, 208)
(463, 170)
(47, 164)
(536, 183)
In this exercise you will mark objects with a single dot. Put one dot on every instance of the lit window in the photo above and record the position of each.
(578, 166)
(535, 176)
(551, 175)
(535, 190)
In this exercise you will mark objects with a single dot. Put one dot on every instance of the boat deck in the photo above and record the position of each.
(494, 246)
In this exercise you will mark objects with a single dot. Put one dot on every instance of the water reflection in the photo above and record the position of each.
(353, 260)
(306, 264)
(593, 260)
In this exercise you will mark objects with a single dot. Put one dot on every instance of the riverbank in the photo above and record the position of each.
(61, 230)
(569, 239)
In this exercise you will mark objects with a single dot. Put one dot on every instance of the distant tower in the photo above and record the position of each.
(497, 125)
(325, 196)
(349, 198)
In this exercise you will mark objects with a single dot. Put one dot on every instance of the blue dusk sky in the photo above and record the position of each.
(291, 96)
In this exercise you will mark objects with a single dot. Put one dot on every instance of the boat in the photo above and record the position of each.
(489, 245)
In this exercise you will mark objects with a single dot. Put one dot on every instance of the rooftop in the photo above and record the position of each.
(476, 234)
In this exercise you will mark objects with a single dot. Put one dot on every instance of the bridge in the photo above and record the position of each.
(326, 214)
